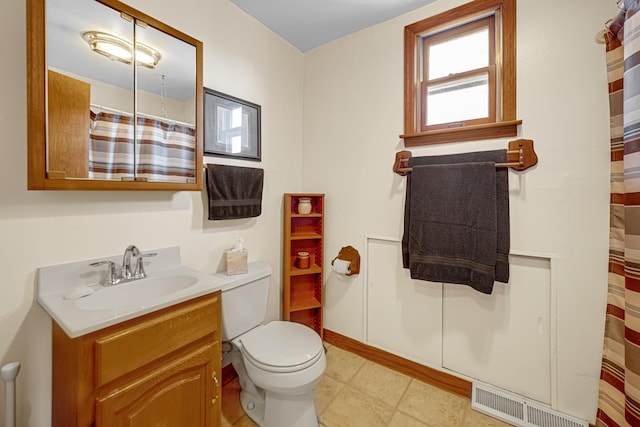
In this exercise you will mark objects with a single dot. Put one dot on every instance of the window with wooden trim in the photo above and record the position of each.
(460, 74)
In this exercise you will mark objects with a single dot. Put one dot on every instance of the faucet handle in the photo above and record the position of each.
(139, 270)
(112, 277)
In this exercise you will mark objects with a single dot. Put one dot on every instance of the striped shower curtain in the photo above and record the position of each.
(619, 397)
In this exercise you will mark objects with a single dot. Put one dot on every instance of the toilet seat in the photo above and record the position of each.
(282, 347)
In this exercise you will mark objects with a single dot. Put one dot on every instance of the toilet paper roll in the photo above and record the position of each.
(341, 266)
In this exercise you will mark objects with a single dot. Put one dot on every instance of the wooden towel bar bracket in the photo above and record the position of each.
(520, 156)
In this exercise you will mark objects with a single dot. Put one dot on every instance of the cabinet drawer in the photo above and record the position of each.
(140, 342)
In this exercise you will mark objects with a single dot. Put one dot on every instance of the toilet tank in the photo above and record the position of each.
(244, 299)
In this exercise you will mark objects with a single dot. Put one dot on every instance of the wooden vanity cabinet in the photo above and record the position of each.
(161, 369)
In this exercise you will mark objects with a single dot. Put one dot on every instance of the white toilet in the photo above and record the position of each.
(279, 363)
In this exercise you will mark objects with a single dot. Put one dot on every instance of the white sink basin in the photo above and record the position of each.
(135, 293)
(70, 292)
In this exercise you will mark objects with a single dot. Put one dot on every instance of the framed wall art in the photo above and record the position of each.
(231, 126)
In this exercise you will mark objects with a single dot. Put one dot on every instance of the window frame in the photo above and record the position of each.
(490, 70)
(505, 124)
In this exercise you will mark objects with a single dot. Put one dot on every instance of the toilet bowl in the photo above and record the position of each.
(278, 363)
(285, 360)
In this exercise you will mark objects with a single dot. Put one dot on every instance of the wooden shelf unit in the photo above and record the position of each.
(303, 287)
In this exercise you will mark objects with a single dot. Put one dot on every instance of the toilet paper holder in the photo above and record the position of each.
(350, 255)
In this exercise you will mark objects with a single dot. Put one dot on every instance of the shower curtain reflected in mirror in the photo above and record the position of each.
(165, 151)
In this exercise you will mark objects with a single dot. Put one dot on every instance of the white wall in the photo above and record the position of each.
(353, 114)
(242, 58)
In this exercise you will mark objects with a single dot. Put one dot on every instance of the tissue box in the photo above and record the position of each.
(236, 261)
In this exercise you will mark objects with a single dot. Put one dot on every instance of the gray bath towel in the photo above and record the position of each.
(234, 192)
(452, 234)
(502, 203)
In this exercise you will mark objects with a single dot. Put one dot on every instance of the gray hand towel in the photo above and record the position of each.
(502, 203)
(452, 233)
(234, 192)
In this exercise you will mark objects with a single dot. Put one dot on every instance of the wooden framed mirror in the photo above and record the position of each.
(114, 99)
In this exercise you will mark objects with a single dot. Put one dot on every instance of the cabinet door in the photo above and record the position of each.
(69, 116)
(404, 316)
(181, 392)
(503, 339)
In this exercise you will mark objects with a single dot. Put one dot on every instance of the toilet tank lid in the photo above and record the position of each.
(255, 271)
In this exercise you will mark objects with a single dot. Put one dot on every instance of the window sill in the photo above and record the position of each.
(468, 133)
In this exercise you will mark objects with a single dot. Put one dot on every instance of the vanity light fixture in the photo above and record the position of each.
(117, 49)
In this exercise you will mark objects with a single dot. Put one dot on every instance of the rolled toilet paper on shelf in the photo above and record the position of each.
(341, 266)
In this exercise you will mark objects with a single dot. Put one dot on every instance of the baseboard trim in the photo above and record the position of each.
(413, 369)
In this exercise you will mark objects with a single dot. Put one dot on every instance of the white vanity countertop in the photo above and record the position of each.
(55, 282)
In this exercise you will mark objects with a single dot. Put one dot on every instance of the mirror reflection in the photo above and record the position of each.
(115, 112)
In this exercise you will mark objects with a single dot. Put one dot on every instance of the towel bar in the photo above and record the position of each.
(520, 154)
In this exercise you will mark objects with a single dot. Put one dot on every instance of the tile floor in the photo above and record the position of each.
(356, 392)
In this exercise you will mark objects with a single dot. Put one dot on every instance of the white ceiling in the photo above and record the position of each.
(307, 24)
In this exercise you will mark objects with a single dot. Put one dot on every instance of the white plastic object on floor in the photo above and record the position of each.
(9, 372)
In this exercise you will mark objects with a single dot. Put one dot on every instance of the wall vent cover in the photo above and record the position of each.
(518, 411)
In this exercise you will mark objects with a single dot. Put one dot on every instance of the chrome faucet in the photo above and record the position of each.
(138, 271)
(128, 271)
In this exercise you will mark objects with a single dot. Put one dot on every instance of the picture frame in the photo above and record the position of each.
(231, 126)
